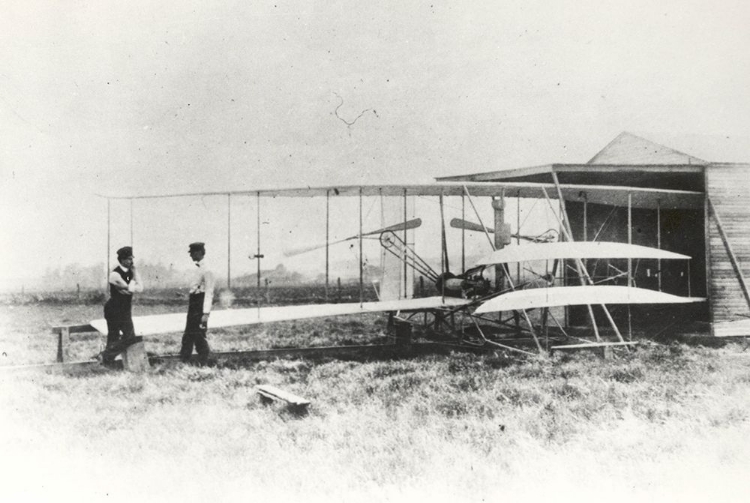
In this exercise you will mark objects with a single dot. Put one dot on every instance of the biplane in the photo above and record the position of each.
(465, 307)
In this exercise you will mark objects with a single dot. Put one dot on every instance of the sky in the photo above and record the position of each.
(142, 97)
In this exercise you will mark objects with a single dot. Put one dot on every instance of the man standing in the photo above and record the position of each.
(199, 307)
(124, 281)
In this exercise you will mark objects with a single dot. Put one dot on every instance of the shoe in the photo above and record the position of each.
(129, 341)
(105, 361)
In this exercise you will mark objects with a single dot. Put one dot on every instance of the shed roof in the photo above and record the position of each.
(628, 148)
(628, 160)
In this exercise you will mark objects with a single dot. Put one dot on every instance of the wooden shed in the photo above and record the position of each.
(715, 233)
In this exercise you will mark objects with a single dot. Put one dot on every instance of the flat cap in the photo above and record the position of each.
(124, 252)
(197, 246)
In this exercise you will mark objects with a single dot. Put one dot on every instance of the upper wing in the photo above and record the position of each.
(637, 197)
(579, 295)
(165, 323)
(580, 250)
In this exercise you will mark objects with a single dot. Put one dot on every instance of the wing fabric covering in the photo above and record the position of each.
(577, 250)
(166, 323)
(579, 296)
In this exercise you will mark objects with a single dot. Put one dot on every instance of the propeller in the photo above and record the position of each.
(458, 223)
(409, 224)
(545, 237)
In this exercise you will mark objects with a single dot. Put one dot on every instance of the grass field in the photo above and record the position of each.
(663, 423)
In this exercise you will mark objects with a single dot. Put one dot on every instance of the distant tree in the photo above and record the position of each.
(72, 276)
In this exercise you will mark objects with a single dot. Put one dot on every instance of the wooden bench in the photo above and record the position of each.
(134, 357)
(270, 393)
(63, 339)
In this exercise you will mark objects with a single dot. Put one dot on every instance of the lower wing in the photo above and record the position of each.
(166, 323)
(579, 295)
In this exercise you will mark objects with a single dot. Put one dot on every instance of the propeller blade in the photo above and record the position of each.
(545, 237)
(305, 249)
(409, 224)
(458, 223)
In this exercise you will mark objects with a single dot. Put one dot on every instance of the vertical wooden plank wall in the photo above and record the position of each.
(728, 187)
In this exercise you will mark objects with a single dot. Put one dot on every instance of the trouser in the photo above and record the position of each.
(120, 330)
(195, 335)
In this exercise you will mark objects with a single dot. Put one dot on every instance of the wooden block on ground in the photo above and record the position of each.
(273, 393)
(595, 345)
(134, 358)
(402, 331)
(606, 348)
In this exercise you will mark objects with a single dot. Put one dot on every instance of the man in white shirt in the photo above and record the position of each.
(124, 281)
(199, 307)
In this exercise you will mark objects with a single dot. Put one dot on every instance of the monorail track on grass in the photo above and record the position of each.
(359, 351)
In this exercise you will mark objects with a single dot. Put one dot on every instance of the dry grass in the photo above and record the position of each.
(664, 423)
(26, 336)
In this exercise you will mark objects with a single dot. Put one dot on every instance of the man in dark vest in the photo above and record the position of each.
(124, 281)
(199, 307)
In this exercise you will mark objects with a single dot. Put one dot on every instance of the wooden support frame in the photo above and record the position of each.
(507, 273)
(631, 279)
(568, 233)
(463, 234)
(258, 256)
(658, 242)
(471, 202)
(443, 247)
(361, 257)
(585, 226)
(406, 243)
(579, 263)
(630, 238)
(328, 237)
(497, 344)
